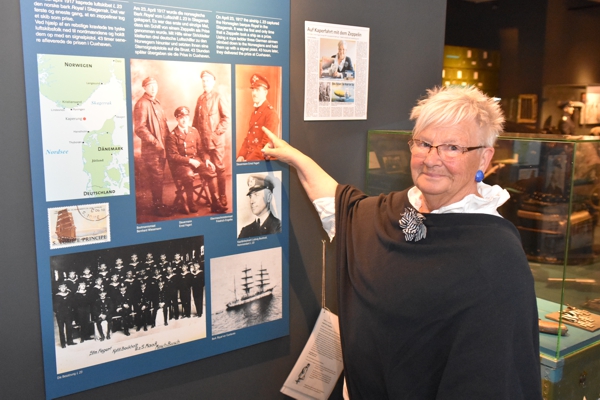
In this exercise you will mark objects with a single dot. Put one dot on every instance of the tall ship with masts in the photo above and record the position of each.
(65, 227)
(261, 288)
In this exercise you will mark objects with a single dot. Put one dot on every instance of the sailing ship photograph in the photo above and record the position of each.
(245, 290)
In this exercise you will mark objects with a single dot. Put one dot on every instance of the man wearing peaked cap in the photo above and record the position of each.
(187, 157)
(63, 309)
(211, 120)
(264, 115)
(260, 195)
(150, 125)
(566, 126)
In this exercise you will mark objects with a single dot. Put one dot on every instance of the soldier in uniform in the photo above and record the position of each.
(143, 308)
(197, 287)
(160, 302)
(134, 265)
(119, 268)
(187, 157)
(172, 289)
(150, 125)
(112, 288)
(149, 264)
(103, 272)
(97, 288)
(566, 126)
(83, 299)
(263, 115)
(131, 283)
(63, 309)
(103, 312)
(185, 293)
(211, 120)
(124, 308)
(163, 264)
(72, 281)
(260, 194)
(87, 277)
(177, 263)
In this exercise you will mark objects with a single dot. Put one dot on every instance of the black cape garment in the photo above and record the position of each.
(451, 316)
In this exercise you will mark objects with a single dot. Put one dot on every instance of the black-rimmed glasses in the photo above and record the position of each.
(445, 151)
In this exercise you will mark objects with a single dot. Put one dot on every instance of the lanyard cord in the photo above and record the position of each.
(323, 275)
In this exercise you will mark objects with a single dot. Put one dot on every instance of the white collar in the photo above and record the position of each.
(491, 198)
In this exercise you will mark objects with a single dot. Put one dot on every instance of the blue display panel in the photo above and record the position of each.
(162, 235)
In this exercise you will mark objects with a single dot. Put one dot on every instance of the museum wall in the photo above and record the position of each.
(542, 42)
(516, 28)
(572, 49)
(407, 40)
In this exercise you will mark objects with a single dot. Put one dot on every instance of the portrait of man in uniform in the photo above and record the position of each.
(258, 206)
(258, 101)
(212, 119)
(150, 125)
(188, 157)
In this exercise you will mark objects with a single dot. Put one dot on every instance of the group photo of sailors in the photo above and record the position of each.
(95, 297)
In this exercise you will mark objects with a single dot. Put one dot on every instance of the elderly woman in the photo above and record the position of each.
(436, 297)
(340, 61)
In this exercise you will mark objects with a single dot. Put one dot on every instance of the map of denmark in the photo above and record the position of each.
(84, 126)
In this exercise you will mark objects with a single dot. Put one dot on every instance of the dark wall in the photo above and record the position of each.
(572, 51)
(542, 42)
(514, 27)
(406, 58)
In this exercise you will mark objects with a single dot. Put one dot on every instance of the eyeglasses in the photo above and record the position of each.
(445, 151)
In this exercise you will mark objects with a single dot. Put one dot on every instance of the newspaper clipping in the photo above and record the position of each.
(337, 72)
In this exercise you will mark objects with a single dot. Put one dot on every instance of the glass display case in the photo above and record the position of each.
(554, 183)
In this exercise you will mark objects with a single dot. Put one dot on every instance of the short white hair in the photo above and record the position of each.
(452, 105)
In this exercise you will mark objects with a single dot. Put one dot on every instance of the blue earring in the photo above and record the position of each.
(479, 176)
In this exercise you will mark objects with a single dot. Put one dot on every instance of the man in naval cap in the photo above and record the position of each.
(187, 157)
(260, 195)
(264, 115)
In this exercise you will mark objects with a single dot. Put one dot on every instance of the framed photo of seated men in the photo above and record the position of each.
(181, 139)
(258, 204)
(258, 105)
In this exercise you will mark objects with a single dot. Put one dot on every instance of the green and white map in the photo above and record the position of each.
(84, 126)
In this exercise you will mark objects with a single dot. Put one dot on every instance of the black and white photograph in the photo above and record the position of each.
(324, 92)
(182, 139)
(258, 104)
(258, 204)
(246, 290)
(116, 303)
